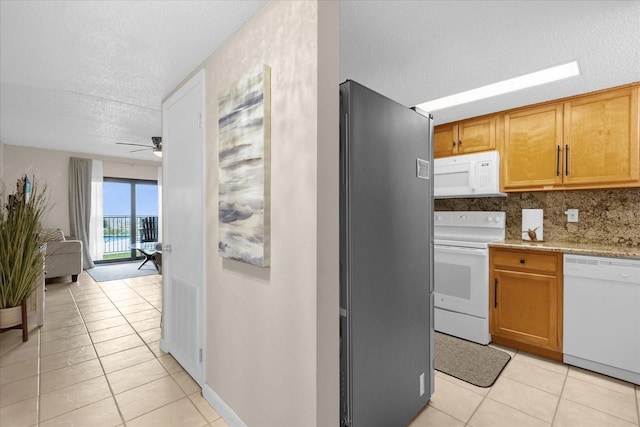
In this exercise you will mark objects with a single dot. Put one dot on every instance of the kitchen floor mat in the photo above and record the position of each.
(477, 364)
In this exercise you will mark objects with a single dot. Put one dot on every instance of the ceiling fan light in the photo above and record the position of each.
(158, 153)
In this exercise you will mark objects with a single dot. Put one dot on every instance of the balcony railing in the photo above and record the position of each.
(117, 232)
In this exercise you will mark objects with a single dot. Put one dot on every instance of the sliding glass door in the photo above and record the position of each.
(128, 203)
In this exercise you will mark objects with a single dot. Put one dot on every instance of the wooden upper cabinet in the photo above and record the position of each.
(601, 138)
(585, 142)
(464, 137)
(445, 140)
(477, 135)
(532, 154)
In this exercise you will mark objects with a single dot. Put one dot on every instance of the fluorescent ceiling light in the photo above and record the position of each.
(511, 85)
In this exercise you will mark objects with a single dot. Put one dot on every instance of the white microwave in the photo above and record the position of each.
(468, 175)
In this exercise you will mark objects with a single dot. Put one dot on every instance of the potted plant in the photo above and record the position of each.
(21, 254)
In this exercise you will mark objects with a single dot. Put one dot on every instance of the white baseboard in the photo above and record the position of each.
(230, 417)
(164, 346)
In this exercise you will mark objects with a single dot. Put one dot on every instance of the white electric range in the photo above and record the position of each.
(461, 271)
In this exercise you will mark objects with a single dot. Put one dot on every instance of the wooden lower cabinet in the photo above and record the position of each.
(526, 300)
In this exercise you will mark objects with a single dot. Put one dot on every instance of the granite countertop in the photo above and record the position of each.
(571, 248)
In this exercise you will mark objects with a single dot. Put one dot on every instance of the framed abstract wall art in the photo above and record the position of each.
(244, 133)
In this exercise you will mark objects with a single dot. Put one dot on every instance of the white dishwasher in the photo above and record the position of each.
(602, 315)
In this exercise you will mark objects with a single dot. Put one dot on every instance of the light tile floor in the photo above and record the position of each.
(532, 391)
(97, 362)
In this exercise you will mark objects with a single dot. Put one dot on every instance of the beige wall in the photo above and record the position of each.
(272, 334)
(51, 167)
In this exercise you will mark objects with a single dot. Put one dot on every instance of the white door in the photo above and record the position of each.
(184, 226)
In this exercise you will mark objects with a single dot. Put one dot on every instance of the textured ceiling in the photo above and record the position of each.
(416, 51)
(83, 75)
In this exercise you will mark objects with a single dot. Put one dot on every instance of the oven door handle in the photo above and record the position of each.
(460, 250)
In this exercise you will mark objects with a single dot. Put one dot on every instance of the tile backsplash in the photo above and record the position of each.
(605, 216)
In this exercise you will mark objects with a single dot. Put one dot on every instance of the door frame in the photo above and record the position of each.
(167, 304)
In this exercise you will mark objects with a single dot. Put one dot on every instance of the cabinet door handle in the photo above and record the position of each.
(495, 293)
(521, 261)
(454, 144)
(558, 162)
(566, 160)
(459, 143)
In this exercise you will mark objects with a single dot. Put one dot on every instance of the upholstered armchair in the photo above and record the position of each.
(62, 257)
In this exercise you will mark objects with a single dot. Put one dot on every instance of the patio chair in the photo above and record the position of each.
(149, 230)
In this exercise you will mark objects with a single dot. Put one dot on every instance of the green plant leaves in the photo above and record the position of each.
(21, 254)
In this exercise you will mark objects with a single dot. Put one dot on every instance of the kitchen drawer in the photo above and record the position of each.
(525, 260)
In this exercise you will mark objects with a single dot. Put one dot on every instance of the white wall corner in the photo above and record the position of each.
(328, 213)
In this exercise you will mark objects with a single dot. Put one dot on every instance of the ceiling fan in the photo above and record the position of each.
(156, 147)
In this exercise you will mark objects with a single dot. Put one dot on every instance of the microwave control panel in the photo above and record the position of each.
(483, 173)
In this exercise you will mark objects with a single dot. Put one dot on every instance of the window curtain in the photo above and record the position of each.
(160, 204)
(96, 223)
(80, 205)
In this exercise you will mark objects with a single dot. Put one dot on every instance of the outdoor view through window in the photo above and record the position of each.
(125, 204)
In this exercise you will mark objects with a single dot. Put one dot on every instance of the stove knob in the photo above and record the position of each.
(438, 218)
(490, 219)
(497, 219)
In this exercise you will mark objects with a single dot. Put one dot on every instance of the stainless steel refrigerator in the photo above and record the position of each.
(386, 259)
